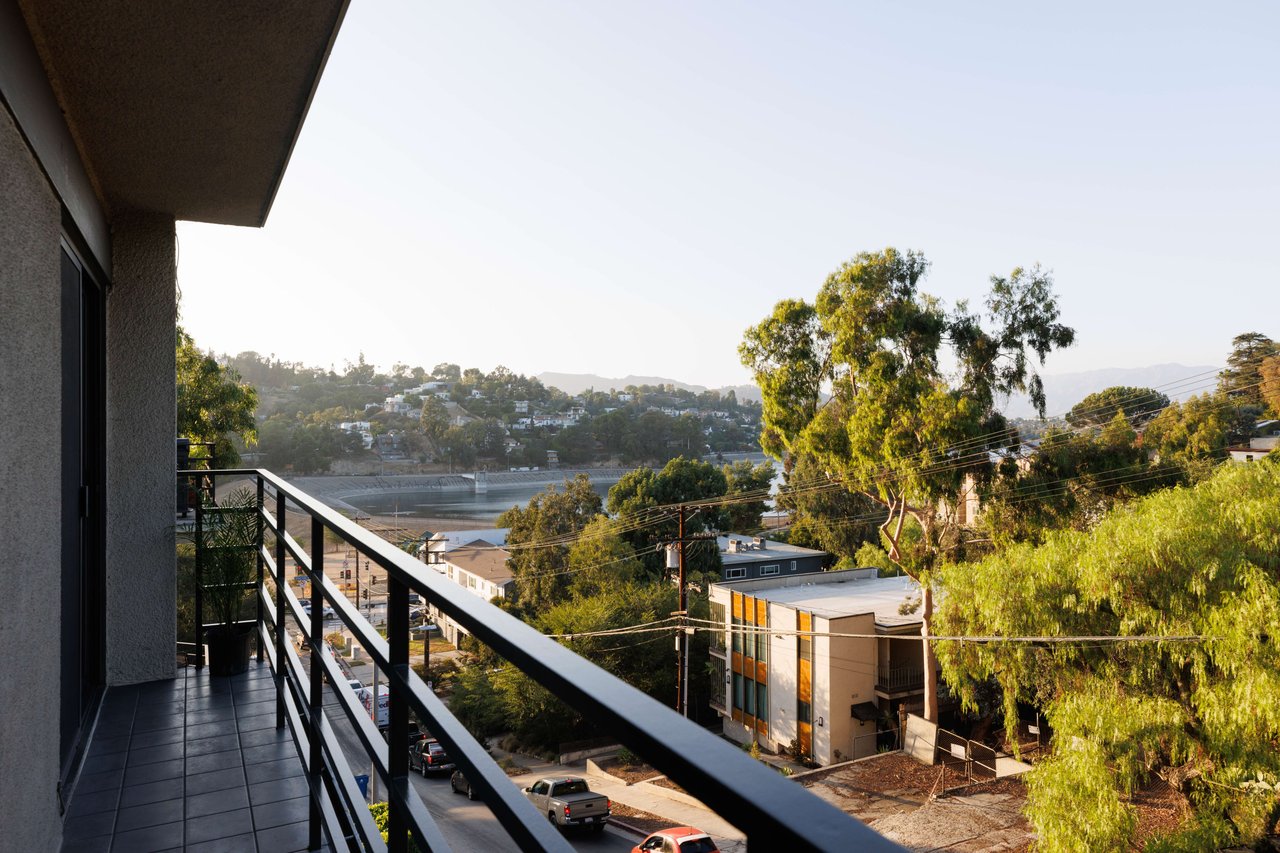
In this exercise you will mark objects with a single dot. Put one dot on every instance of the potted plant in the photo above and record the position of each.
(229, 564)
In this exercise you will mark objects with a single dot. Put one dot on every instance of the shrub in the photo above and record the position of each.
(626, 757)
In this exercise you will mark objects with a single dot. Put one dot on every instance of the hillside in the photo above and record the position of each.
(576, 383)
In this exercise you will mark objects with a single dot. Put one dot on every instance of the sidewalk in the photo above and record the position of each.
(643, 796)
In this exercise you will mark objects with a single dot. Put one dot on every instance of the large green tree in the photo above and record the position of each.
(1070, 481)
(748, 487)
(1242, 378)
(859, 381)
(214, 404)
(1192, 434)
(839, 521)
(1202, 713)
(542, 534)
(638, 495)
(1139, 405)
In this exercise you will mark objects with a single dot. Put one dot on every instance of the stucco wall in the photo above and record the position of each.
(30, 497)
(844, 675)
(141, 616)
(784, 677)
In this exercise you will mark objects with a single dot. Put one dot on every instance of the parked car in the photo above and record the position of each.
(461, 785)
(428, 756)
(567, 801)
(677, 839)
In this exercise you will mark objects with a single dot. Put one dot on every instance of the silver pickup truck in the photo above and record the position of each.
(566, 801)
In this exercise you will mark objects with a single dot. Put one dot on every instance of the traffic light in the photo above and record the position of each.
(366, 594)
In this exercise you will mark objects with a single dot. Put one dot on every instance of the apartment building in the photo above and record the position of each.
(751, 557)
(823, 659)
(480, 567)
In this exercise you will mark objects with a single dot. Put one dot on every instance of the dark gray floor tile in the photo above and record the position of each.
(208, 730)
(152, 838)
(91, 782)
(209, 702)
(222, 825)
(258, 721)
(228, 799)
(273, 770)
(236, 844)
(268, 815)
(151, 792)
(258, 737)
(108, 745)
(217, 780)
(204, 746)
(278, 789)
(150, 814)
(157, 737)
(103, 763)
(291, 836)
(157, 723)
(264, 705)
(145, 773)
(92, 802)
(114, 728)
(211, 715)
(90, 826)
(270, 752)
(97, 844)
(152, 754)
(213, 761)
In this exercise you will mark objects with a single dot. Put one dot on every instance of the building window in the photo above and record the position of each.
(762, 702)
(804, 712)
(737, 690)
(768, 570)
(793, 565)
(734, 573)
(749, 694)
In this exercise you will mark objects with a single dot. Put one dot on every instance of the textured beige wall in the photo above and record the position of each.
(30, 498)
(141, 617)
(844, 675)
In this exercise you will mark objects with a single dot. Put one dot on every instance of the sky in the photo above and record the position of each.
(623, 188)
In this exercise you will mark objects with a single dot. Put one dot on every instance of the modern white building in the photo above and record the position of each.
(432, 551)
(788, 668)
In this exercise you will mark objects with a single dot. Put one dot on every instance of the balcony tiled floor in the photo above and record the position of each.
(192, 764)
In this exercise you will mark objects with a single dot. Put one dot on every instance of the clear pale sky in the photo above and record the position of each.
(623, 188)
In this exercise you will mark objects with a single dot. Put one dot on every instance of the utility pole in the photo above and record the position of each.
(682, 638)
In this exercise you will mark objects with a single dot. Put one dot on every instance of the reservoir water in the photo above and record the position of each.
(457, 504)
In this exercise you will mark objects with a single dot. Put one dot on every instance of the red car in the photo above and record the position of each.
(677, 839)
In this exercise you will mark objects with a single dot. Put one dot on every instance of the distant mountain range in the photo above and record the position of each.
(576, 383)
(1062, 391)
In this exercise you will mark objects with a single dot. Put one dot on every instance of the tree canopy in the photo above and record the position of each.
(214, 404)
(1202, 714)
(897, 426)
(1242, 378)
(547, 527)
(1139, 405)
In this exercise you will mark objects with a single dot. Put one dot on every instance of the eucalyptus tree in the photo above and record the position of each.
(859, 380)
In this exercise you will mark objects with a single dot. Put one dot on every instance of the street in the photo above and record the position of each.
(467, 825)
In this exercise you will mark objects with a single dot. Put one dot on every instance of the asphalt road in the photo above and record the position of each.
(467, 825)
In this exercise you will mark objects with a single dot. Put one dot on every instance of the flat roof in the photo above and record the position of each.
(770, 550)
(834, 595)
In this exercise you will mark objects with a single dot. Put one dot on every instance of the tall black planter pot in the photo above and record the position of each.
(229, 649)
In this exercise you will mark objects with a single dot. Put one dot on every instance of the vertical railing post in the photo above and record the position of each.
(199, 614)
(398, 710)
(281, 664)
(257, 637)
(316, 707)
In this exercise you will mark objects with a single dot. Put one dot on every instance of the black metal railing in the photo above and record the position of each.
(891, 679)
(770, 810)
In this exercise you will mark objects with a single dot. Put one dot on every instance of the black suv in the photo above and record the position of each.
(428, 756)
